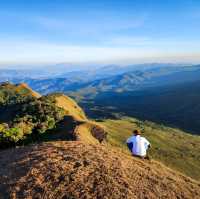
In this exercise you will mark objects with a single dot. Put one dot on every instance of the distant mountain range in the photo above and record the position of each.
(106, 78)
(138, 80)
(86, 73)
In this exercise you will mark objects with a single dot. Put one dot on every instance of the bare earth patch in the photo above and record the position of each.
(72, 170)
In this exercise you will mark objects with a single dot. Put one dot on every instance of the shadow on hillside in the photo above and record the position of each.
(64, 130)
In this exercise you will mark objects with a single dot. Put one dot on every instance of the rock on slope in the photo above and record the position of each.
(74, 169)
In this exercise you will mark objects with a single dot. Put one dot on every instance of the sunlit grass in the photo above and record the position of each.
(173, 147)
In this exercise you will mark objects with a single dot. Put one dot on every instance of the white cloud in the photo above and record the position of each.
(40, 52)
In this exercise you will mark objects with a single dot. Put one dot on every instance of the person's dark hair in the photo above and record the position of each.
(136, 132)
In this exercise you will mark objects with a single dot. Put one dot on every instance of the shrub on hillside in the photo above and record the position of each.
(10, 136)
(34, 117)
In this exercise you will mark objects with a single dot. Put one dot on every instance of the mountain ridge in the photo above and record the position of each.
(75, 159)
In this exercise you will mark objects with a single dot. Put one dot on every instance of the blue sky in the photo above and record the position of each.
(103, 31)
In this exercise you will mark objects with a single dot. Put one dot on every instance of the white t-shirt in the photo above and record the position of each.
(140, 145)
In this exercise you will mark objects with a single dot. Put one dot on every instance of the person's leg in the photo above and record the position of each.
(130, 146)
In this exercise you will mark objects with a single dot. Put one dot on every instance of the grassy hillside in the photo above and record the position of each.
(9, 92)
(25, 115)
(70, 106)
(72, 164)
(31, 118)
(173, 147)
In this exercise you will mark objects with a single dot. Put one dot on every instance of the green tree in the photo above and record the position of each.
(12, 135)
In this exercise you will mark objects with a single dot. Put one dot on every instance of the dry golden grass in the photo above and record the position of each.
(89, 132)
(175, 148)
(23, 86)
(83, 133)
(85, 169)
(71, 107)
(78, 170)
(22, 89)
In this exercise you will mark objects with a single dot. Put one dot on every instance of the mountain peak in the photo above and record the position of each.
(21, 89)
(24, 86)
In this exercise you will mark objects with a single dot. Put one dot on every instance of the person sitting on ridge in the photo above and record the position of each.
(138, 145)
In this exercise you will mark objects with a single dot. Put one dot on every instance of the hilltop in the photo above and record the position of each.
(20, 89)
(80, 170)
(69, 156)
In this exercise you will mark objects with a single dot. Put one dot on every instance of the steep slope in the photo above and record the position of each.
(78, 170)
(70, 106)
(173, 147)
(90, 132)
(24, 88)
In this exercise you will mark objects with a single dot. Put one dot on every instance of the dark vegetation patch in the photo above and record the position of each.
(24, 118)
